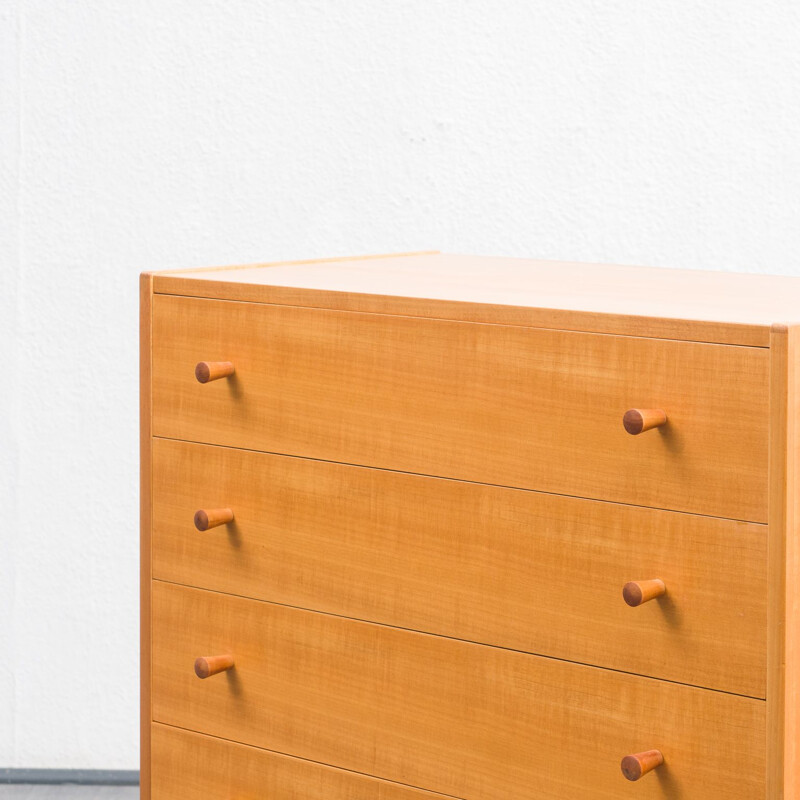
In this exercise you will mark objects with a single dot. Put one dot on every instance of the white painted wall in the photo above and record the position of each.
(149, 134)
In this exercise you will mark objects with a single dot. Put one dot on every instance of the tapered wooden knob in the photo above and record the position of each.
(638, 420)
(205, 519)
(205, 666)
(207, 371)
(637, 592)
(639, 764)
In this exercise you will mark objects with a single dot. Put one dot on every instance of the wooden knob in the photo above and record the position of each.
(203, 520)
(637, 592)
(633, 767)
(205, 666)
(638, 420)
(207, 371)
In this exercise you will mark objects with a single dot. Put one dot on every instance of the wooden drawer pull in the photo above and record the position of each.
(205, 666)
(638, 420)
(207, 371)
(203, 520)
(637, 592)
(633, 767)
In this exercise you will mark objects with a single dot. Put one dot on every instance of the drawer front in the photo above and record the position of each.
(464, 719)
(519, 407)
(519, 569)
(187, 764)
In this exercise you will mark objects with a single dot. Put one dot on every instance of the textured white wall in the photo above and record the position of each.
(165, 133)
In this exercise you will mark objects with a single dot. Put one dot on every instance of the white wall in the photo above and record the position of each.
(147, 134)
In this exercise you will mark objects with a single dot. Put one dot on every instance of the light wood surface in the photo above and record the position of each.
(706, 306)
(145, 512)
(519, 569)
(776, 597)
(373, 361)
(498, 404)
(454, 717)
(792, 574)
(302, 262)
(188, 764)
(783, 679)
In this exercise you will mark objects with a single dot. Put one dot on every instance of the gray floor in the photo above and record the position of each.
(20, 792)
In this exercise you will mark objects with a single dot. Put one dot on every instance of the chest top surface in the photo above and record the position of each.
(730, 308)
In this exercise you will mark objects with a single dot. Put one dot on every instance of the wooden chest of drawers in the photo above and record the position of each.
(423, 526)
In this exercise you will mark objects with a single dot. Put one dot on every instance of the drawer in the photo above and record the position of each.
(187, 764)
(519, 569)
(455, 717)
(522, 407)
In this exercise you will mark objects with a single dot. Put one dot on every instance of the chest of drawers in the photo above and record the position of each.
(446, 526)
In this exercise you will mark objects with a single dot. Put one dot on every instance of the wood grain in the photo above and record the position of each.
(783, 676)
(675, 304)
(454, 717)
(791, 626)
(486, 313)
(497, 404)
(188, 764)
(471, 561)
(145, 527)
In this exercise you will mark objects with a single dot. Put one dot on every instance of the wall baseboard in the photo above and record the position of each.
(86, 777)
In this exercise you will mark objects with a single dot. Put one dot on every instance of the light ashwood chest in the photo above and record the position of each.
(425, 525)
